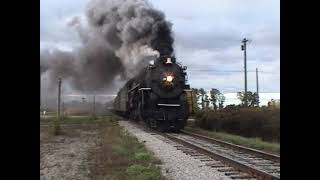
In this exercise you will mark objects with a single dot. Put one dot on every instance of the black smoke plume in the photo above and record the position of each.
(116, 36)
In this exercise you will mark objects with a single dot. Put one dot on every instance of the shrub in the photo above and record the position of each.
(249, 122)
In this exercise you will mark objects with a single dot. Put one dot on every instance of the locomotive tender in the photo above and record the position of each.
(158, 95)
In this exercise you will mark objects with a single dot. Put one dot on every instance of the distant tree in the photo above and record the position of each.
(202, 93)
(214, 93)
(252, 98)
(274, 104)
(221, 100)
(206, 101)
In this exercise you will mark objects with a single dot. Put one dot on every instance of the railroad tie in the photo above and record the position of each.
(227, 170)
(196, 154)
(187, 151)
(242, 177)
(273, 171)
(265, 164)
(213, 163)
(177, 146)
(276, 164)
(205, 159)
(201, 158)
(217, 166)
(256, 158)
(182, 148)
(231, 173)
(272, 168)
(246, 156)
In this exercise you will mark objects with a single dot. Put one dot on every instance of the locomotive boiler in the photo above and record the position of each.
(159, 96)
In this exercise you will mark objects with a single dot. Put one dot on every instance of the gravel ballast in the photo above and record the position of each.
(176, 165)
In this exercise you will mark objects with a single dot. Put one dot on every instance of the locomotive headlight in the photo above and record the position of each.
(169, 78)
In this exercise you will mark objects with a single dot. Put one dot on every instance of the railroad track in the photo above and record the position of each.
(235, 161)
(255, 152)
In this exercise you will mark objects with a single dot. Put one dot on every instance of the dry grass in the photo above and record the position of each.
(120, 156)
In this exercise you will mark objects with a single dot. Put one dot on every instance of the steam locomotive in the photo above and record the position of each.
(159, 96)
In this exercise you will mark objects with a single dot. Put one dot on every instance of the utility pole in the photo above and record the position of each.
(57, 123)
(257, 79)
(244, 48)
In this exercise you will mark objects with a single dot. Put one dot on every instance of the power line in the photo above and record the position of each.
(234, 71)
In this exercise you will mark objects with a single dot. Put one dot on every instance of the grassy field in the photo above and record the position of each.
(255, 143)
(118, 155)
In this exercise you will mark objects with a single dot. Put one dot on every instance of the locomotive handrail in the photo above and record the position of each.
(134, 88)
(144, 89)
(175, 105)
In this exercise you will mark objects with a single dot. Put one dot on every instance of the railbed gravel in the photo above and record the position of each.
(176, 165)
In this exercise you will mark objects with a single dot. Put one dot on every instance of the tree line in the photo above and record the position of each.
(202, 99)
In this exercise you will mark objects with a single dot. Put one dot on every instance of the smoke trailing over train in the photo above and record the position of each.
(117, 38)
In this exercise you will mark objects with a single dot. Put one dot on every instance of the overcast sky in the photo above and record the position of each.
(207, 35)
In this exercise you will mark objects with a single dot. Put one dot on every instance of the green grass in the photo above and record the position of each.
(138, 171)
(255, 143)
(121, 156)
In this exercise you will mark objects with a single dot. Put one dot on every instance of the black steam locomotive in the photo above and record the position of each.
(158, 95)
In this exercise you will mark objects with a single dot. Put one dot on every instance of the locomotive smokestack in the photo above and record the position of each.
(116, 35)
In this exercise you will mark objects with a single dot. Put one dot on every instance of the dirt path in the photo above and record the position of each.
(65, 157)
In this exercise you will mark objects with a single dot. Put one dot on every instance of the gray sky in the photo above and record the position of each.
(207, 35)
